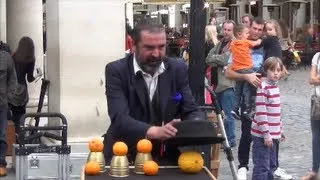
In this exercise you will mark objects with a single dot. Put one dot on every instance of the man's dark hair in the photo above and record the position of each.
(128, 29)
(229, 22)
(5, 47)
(257, 20)
(147, 24)
(249, 16)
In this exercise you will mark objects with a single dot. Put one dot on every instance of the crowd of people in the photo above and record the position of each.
(244, 64)
(250, 54)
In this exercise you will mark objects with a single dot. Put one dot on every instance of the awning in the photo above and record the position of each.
(176, 1)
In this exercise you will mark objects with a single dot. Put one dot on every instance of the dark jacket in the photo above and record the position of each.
(272, 47)
(8, 76)
(127, 99)
(218, 57)
(24, 70)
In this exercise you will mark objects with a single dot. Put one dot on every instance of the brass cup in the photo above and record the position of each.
(99, 158)
(140, 159)
(119, 166)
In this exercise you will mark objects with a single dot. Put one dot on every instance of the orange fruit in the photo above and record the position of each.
(96, 145)
(190, 162)
(120, 149)
(144, 146)
(92, 168)
(150, 168)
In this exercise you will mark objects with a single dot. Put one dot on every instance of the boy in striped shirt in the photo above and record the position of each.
(266, 126)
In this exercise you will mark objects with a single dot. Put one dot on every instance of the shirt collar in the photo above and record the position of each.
(269, 81)
(137, 68)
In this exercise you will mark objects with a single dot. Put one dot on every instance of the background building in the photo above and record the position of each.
(174, 13)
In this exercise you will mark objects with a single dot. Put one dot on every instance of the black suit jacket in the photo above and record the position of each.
(127, 101)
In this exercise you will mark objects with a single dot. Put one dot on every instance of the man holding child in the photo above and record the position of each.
(256, 30)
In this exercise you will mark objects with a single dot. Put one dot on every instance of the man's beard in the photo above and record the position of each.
(150, 68)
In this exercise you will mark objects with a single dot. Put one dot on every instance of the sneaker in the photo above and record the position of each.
(236, 115)
(242, 173)
(3, 171)
(310, 176)
(282, 174)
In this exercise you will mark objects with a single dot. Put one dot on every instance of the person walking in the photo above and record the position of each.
(8, 79)
(315, 118)
(24, 62)
(218, 59)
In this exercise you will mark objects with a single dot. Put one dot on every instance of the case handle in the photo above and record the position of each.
(62, 128)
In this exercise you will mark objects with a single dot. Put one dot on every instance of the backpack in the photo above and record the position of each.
(5, 47)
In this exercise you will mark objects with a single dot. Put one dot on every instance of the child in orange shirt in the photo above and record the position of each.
(242, 63)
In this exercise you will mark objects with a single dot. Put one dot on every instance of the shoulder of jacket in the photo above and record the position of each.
(118, 64)
(5, 55)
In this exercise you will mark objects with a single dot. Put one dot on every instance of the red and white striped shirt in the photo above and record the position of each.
(267, 120)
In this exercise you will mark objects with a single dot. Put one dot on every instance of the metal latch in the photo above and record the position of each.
(70, 169)
(34, 162)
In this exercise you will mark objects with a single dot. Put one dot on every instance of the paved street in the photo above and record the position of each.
(295, 152)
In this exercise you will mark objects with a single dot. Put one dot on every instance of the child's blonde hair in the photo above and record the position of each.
(271, 64)
(276, 26)
(239, 29)
(211, 34)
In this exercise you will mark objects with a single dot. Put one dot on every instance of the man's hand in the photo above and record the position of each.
(268, 142)
(163, 132)
(253, 79)
(259, 41)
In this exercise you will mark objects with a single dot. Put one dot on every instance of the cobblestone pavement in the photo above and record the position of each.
(295, 152)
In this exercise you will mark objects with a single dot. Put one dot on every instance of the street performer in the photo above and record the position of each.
(147, 93)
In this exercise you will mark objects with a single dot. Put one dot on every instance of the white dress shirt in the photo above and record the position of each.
(151, 81)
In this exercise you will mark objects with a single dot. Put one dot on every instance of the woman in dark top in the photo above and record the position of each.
(271, 44)
(24, 60)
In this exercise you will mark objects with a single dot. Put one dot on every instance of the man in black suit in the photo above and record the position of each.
(147, 94)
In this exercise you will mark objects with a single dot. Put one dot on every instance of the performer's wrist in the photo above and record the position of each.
(152, 132)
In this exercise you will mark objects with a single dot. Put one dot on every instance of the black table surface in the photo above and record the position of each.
(163, 174)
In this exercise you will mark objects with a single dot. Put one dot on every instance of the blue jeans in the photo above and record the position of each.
(315, 126)
(3, 126)
(264, 160)
(246, 137)
(277, 146)
(226, 100)
(243, 92)
(245, 142)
